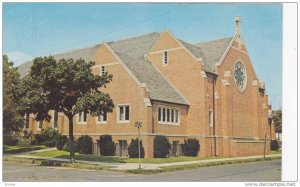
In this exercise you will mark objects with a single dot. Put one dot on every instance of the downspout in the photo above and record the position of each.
(214, 124)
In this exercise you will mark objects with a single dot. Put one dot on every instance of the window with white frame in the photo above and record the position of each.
(102, 70)
(165, 58)
(211, 118)
(54, 119)
(123, 113)
(102, 118)
(82, 118)
(168, 115)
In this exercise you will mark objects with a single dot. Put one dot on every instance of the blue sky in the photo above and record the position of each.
(37, 29)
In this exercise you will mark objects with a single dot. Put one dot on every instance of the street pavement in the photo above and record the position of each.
(255, 171)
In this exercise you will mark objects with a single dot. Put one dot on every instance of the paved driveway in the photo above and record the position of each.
(259, 171)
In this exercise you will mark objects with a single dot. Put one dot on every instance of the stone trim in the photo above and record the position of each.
(109, 64)
(168, 50)
(236, 138)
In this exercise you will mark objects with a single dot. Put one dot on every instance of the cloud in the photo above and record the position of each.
(18, 57)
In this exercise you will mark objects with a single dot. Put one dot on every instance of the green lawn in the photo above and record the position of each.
(21, 149)
(111, 159)
(275, 152)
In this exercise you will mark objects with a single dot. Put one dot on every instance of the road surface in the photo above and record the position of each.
(256, 171)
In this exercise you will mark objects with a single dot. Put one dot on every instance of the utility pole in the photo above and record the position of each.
(139, 125)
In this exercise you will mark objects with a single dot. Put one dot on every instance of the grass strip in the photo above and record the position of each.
(56, 163)
(21, 149)
(194, 166)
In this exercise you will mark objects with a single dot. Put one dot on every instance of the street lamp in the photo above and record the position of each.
(138, 125)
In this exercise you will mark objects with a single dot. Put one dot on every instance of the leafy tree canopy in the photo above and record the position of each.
(67, 86)
(12, 120)
(277, 118)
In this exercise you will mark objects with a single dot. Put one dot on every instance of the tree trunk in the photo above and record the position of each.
(71, 139)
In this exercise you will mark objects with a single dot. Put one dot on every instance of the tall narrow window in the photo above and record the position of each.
(172, 115)
(82, 117)
(164, 115)
(102, 70)
(27, 120)
(176, 116)
(55, 119)
(168, 115)
(211, 119)
(40, 125)
(102, 118)
(159, 114)
(124, 113)
(165, 58)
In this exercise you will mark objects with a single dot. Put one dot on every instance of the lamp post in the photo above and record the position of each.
(138, 125)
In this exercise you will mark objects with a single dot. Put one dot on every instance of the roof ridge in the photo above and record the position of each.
(133, 37)
(208, 41)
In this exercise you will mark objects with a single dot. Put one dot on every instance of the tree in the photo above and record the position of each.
(161, 146)
(277, 118)
(12, 120)
(67, 86)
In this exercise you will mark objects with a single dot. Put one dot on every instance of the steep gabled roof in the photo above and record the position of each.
(214, 50)
(131, 51)
(88, 54)
(210, 52)
(160, 89)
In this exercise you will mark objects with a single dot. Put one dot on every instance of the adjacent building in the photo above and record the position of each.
(208, 91)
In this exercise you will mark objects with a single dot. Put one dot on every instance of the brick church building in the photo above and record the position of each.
(207, 90)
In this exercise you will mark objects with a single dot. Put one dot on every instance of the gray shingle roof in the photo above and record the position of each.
(210, 52)
(88, 54)
(213, 51)
(132, 51)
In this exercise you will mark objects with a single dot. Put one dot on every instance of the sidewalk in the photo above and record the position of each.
(146, 166)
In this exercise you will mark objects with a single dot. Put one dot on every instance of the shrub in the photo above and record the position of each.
(50, 143)
(61, 141)
(133, 149)
(161, 147)
(38, 139)
(274, 145)
(85, 144)
(191, 147)
(107, 146)
(66, 147)
(46, 135)
(10, 140)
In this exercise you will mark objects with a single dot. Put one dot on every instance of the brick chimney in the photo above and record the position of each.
(237, 24)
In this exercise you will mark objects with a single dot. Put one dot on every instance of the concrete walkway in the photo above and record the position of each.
(146, 166)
